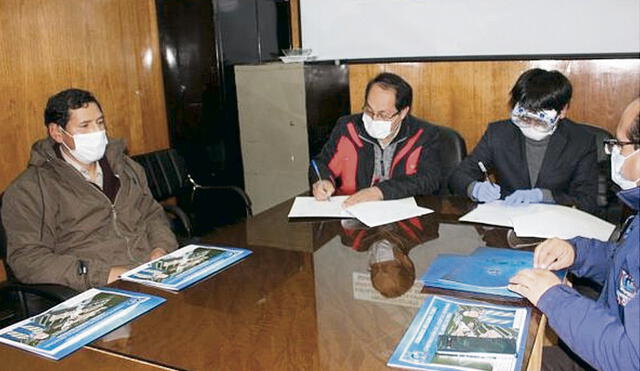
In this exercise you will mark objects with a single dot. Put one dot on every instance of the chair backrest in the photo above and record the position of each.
(453, 150)
(605, 185)
(166, 172)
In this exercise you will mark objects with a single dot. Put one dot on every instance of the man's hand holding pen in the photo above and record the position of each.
(486, 191)
(323, 189)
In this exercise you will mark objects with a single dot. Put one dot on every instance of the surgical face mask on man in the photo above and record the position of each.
(617, 162)
(378, 129)
(535, 125)
(535, 134)
(90, 147)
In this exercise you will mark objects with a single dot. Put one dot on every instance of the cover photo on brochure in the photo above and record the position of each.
(185, 266)
(78, 321)
(455, 334)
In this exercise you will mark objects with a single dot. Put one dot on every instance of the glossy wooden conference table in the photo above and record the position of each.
(302, 301)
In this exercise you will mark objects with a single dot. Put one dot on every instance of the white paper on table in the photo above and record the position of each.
(564, 222)
(497, 213)
(375, 213)
(309, 207)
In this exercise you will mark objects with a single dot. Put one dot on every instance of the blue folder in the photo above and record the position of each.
(486, 271)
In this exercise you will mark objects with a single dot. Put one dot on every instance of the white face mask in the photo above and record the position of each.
(90, 147)
(617, 161)
(535, 134)
(378, 129)
(547, 122)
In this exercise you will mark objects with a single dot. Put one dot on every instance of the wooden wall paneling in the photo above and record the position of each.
(467, 95)
(602, 89)
(296, 38)
(149, 91)
(109, 47)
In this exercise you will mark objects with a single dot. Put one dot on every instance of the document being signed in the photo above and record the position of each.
(372, 213)
(541, 220)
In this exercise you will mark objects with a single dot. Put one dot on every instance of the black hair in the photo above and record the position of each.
(538, 89)
(59, 105)
(386, 80)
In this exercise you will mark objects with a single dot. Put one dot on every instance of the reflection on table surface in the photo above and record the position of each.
(316, 294)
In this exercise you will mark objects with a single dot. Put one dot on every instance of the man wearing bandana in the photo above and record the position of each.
(604, 333)
(382, 153)
(81, 214)
(538, 156)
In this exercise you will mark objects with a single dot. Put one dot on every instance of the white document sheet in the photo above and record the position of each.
(563, 223)
(309, 207)
(541, 220)
(497, 213)
(377, 213)
(371, 213)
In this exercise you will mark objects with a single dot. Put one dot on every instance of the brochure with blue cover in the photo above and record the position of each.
(486, 271)
(185, 266)
(456, 334)
(78, 321)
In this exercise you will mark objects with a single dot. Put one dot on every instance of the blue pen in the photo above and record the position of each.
(315, 168)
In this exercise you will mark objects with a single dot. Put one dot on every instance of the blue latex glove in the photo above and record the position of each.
(486, 191)
(524, 197)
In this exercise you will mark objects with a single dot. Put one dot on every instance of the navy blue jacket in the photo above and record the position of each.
(606, 332)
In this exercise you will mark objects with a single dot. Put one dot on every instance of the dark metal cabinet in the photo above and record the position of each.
(200, 42)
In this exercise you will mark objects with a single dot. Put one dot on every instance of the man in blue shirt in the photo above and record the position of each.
(604, 333)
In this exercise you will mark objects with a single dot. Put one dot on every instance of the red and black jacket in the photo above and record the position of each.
(347, 159)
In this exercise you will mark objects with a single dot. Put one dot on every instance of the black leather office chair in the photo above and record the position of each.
(199, 207)
(19, 301)
(453, 150)
(609, 206)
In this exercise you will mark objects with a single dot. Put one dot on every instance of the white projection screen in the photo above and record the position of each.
(380, 29)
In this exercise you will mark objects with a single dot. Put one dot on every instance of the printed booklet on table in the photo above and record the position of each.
(78, 321)
(455, 334)
(185, 266)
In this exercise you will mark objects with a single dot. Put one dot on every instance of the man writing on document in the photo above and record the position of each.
(604, 333)
(81, 214)
(538, 155)
(383, 153)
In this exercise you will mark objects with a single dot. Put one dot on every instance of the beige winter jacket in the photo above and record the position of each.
(56, 221)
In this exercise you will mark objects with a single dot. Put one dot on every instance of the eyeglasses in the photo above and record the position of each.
(544, 120)
(532, 122)
(381, 115)
(610, 143)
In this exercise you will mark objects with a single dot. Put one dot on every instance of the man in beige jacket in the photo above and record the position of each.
(81, 214)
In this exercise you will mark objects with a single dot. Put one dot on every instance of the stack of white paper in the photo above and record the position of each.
(498, 213)
(371, 213)
(309, 207)
(382, 212)
(563, 223)
(541, 220)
